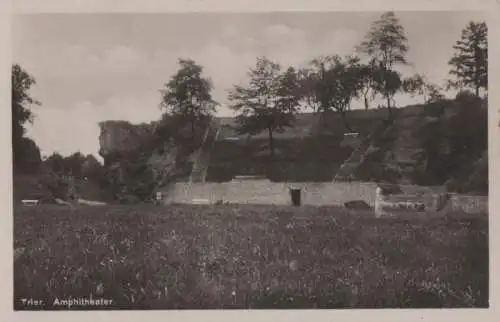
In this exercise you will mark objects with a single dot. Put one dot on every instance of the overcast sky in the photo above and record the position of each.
(95, 67)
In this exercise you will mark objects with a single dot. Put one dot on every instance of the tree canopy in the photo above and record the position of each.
(387, 45)
(188, 95)
(469, 64)
(333, 82)
(419, 85)
(269, 102)
(26, 154)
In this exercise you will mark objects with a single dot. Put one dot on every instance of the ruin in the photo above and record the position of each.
(313, 167)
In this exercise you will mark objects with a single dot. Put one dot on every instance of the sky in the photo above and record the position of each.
(95, 67)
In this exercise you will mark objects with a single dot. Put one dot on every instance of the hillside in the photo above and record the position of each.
(442, 144)
(312, 150)
(435, 144)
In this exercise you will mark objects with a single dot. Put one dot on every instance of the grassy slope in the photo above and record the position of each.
(404, 155)
(304, 159)
(309, 151)
(250, 257)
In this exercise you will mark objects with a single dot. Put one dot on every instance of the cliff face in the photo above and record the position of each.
(123, 137)
(141, 158)
(136, 159)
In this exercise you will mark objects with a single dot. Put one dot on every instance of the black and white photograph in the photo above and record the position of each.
(250, 160)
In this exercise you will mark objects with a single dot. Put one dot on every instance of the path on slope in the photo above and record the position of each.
(200, 166)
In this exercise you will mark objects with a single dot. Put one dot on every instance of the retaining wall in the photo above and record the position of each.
(267, 192)
(469, 204)
(320, 194)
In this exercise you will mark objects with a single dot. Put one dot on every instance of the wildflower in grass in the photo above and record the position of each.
(99, 289)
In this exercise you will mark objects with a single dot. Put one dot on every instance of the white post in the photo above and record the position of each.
(378, 202)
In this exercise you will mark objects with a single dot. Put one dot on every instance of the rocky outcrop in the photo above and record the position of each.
(140, 159)
(440, 145)
(123, 137)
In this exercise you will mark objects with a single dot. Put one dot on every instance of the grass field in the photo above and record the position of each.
(193, 257)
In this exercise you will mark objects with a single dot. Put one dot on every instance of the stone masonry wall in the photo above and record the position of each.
(317, 194)
(469, 204)
(267, 192)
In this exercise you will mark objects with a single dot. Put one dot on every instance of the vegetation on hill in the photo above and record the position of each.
(442, 145)
(442, 141)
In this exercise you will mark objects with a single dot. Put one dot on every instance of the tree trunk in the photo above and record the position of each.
(192, 129)
(344, 118)
(365, 95)
(476, 69)
(271, 143)
(389, 110)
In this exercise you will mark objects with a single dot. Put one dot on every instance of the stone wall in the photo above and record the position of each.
(409, 199)
(267, 192)
(337, 193)
(469, 204)
(322, 194)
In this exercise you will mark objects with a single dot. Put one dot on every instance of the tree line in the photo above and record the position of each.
(275, 94)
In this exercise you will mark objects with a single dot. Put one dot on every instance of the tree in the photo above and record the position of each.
(289, 94)
(55, 163)
(418, 85)
(21, 114)
(434, 93)
(73, 165)
(333, 83)
(187, 95)
(366, 74)
(308, 79)
(469, 63)
(386, 44)
(269, 102)
(415, 85)
(27, 155)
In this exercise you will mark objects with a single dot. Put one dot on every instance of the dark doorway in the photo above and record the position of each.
(295, 195)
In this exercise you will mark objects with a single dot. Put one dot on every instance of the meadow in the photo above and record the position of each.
(258, 257)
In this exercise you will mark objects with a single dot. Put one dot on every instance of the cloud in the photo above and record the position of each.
(278, 31)
(76, 128)
(122, 59)
(76, 61)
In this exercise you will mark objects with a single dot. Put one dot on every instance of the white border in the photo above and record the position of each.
(92, 6)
